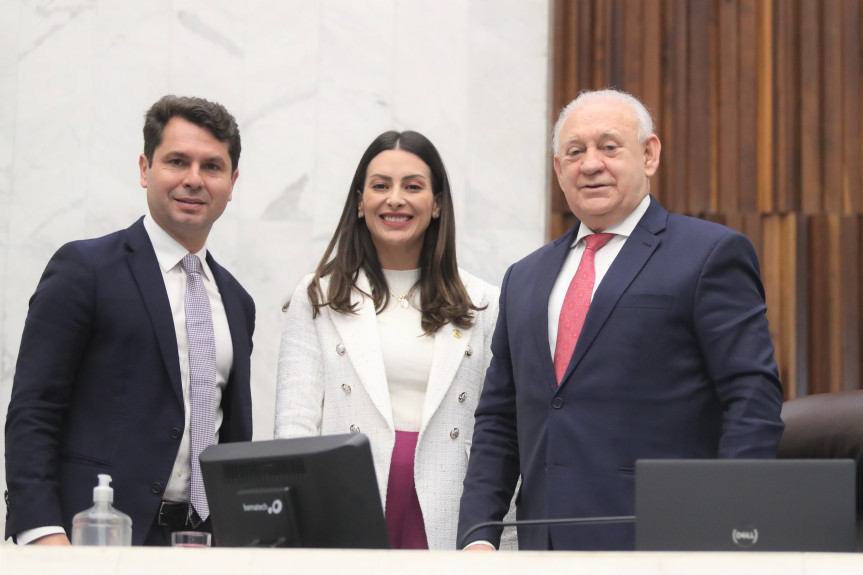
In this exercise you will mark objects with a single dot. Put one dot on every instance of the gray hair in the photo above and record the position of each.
(645, 121)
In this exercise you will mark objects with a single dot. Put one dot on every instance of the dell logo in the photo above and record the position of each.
(746, 536)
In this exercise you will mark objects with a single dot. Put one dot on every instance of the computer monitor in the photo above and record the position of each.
(304, 492)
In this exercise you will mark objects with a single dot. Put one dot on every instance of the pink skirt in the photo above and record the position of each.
(403, 513)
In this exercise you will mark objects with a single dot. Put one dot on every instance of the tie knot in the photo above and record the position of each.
(191, 264)
(596, 241)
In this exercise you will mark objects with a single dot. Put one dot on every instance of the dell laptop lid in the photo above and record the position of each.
(745, 505)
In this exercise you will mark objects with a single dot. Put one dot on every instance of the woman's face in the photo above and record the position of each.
(398, 204)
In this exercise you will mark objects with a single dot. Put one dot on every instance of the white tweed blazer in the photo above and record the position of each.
(331, 379)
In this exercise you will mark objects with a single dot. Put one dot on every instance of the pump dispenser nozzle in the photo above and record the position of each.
(103, 491)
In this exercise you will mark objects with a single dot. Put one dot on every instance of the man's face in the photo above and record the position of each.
(601, 166)
(189, 183)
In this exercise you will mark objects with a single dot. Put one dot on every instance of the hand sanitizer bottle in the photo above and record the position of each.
(102, 524)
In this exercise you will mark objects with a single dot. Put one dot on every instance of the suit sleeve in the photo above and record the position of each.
(54, 340)
(300, 380)
(731, 326)
(493, 468)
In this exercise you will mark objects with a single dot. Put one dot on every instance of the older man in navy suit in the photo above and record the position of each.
(108, 367)
(638, 334)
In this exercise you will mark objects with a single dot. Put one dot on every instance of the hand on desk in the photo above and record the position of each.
(480, 547)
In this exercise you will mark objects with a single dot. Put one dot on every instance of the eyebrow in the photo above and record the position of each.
(607, 134)
(408, 177)
(185, 156)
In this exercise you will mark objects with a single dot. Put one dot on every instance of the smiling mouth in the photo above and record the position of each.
(396, 219)
(190, 201)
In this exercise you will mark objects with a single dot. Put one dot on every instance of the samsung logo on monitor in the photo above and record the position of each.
(745, 537)
(273, 508)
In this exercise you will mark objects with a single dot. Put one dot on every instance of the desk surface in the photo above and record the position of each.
(138, 560)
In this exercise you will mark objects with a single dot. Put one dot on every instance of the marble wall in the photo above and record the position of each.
(311, 84)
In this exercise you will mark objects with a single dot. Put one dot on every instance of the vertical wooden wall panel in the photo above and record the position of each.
(747, 107)
(699, 137)
(770, 257)
(758, 107)
(787, 127)
(810, 108)
(819, 305)
(728, 187)
(852, 184)
(848, 306)
(832, 106)
(766, 112)
(676, 99)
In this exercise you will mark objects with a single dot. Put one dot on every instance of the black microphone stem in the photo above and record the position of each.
(564, 521)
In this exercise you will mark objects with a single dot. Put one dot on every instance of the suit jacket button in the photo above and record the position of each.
(156, 487)
(454, 433)
(468, 351)
(355, 429)
(557, 403)
(340, 349)
(346, 388)
(461, 397)
(176, 433)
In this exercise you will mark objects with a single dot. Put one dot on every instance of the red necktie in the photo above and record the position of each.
(576, 303)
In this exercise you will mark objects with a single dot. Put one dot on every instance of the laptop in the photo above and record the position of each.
(745, 505)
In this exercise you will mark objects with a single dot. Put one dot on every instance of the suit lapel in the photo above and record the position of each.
(148, 276)
(449, 352)
(626, 266)
(359, 334)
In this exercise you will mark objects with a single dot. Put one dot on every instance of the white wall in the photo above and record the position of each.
(311, 84)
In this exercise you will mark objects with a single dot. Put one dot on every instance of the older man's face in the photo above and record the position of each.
(601, 166)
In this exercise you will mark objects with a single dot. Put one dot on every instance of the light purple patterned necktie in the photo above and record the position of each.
(202, 375)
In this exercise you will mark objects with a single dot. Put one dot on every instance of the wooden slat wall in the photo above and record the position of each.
(758, 106)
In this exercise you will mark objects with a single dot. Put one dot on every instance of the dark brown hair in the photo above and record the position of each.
(209, 115)
(443, 297)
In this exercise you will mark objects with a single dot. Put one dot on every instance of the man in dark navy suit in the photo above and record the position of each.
(638, 334)
(102, 383)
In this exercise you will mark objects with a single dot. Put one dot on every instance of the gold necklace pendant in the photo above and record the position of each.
(403, 301)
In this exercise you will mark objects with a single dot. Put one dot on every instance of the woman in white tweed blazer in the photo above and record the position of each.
(389, 338)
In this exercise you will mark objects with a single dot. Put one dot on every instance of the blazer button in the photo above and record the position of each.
(346, 388)
(340, 349)
(468, 351)
(176, 433)
(355, 429)
(156, 487)
(454, 433)
(461, 397)
(557, 403)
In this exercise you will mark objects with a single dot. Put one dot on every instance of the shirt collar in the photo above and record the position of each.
(622, 228)
(169, 252)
